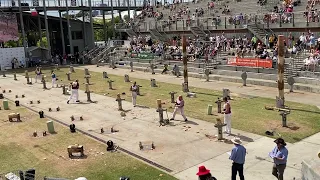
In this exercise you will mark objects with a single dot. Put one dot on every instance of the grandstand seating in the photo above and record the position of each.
(255, 24)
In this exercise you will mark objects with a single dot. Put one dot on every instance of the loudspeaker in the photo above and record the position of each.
(30, 174)
(72, 128)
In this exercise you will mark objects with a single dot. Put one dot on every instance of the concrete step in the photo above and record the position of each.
(252, 81)
(248, 69)
(306, 80)
(145, 63)
(240, 69)
(309, 74)
(253, 75)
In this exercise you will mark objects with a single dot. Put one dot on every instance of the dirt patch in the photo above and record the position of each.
(292, 127)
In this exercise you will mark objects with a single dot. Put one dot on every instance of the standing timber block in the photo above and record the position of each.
(209, 110)
(50, 127)
(5, 105)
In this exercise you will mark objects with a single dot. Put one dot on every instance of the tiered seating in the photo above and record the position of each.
(244, 6)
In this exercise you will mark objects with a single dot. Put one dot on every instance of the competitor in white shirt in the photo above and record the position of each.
(179, 107)
(133, 90)
(74, 91)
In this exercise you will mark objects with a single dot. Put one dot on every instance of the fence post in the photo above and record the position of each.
(216, 23)
(207, 23)
(183, 24)
(292, 19)
(176, 25)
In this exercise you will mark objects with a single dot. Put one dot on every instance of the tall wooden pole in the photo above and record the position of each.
(24, 37)
(69, 30)
(185, 64)
(61, 31)
(91, 44)
(47, 27)
(280, 98)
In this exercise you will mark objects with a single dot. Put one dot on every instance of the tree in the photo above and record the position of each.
(10, 44)
(43, 41)
(99, 34)
(126, 18)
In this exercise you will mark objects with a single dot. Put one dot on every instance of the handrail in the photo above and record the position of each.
(75, 3)
(212, 23)
(252, 15)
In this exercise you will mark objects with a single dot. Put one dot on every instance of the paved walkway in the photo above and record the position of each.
(179, 150)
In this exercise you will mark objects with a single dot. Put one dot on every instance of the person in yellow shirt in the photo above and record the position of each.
(271, 41)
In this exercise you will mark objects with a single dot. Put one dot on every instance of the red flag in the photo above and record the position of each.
(34, 12)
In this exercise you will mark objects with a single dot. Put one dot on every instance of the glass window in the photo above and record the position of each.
(77, 35)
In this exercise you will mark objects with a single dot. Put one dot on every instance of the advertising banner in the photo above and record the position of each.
(142, 55)
(251, 62)
(145, 56)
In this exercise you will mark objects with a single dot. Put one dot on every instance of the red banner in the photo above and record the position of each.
(251, 62)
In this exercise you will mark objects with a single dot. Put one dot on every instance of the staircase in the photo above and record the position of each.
(117, 54)
(298, 63)
(131, 32)
(157, 35)
(88, 56)
(102, 55)
(198, 31)
(295, 65)
(257, 31)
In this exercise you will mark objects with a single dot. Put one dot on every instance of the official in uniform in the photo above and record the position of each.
(74, 91)
(134, 89)
(179, 106)
(227, 115)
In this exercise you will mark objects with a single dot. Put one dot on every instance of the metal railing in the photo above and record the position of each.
(55, 3)
(270, 20)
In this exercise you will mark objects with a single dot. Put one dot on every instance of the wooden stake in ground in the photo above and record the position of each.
(280, 98)
(185, 64)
